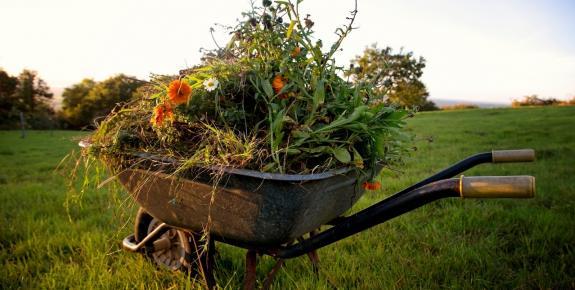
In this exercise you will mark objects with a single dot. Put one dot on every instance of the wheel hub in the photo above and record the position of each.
(168, 249)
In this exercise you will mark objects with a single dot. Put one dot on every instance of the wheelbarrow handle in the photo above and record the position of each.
(497, 186)
(521, 155)
(479, 187)
(497, 156)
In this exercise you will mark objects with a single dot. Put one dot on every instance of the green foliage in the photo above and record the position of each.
(7, 99)
(31, 91)
(73, 99)
(7, 88)
(87, 100)
(396, 77)
(277, 85)
(28, 94)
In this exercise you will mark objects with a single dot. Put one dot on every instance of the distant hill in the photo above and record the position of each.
(443, 102)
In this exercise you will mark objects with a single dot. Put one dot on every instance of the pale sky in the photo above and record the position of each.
(490, 51)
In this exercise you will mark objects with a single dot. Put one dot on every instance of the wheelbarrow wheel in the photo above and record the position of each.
(171, 250)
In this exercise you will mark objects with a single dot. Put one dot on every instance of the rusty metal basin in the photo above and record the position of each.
(246, 206)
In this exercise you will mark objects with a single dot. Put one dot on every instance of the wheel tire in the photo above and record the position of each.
(178, 254)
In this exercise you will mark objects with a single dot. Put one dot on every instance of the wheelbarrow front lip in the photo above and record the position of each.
(240, 171)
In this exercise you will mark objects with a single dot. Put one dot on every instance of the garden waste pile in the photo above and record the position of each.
(271, 100)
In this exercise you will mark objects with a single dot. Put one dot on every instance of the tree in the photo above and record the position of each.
(75, 105)
(87, 100)
(28, 94)
(32, 92)
(396, 76)
(7, 88)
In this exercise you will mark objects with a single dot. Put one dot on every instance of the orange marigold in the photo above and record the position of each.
(179, 92)
(162, 112)
(371, 185)
(295, 52)
(278, 83)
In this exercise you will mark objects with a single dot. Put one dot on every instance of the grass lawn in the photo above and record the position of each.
(50, 240)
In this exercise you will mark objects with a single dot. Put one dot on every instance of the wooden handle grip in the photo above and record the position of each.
(521, 155)
(497, 186)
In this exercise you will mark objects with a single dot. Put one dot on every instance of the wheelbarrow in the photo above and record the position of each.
(280, 215)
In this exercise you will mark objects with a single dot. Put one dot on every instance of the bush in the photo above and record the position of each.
(534, 100)
(459, 107)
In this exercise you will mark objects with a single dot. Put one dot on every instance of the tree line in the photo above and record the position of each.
(82, 103)
(397, 76)
(535, 100)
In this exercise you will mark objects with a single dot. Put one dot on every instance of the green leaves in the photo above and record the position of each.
(341, 154)
(343, 120)
(379, 144)
(319, 94)
(266, 85)
(276, 127)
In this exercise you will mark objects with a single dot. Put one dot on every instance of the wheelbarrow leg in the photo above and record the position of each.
(250, 276)
(312, 255)
(271, 275)
(314, 258)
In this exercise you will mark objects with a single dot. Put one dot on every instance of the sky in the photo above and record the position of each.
(477, 51)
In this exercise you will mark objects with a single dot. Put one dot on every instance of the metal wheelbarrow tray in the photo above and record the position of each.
(248, 207)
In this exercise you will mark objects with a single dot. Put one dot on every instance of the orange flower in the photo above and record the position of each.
(168, 112)
(179, 92)
(295, 52)
(371, 185)
(161, 113)
(278, 83)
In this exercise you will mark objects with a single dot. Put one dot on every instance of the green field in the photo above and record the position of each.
(460, 244)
